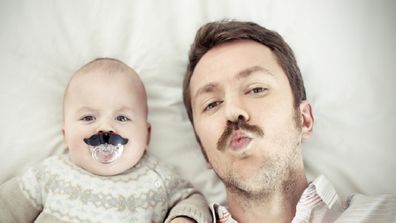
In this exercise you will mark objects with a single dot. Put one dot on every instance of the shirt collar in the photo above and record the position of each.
(326, 191)
(320, 189)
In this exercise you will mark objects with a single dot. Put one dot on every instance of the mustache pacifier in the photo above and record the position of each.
(106, 147)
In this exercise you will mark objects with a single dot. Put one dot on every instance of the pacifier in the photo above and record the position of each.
(106, 147)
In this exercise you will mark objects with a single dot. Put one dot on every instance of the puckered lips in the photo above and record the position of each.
(238, 141)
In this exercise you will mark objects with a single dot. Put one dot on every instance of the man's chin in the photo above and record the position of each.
(249, 191)
(248, 184)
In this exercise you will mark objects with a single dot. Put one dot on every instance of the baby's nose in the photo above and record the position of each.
(103, 132)
(105, 126)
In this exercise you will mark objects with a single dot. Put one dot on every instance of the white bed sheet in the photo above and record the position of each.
(346, 51)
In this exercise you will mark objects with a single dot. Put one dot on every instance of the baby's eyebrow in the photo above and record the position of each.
(85, 109)
(126, 109)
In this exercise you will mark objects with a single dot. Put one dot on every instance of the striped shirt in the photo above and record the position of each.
(320, 203)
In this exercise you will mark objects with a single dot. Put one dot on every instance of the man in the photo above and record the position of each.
(245, 97)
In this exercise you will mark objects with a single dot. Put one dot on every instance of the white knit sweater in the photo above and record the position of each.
(59, 191)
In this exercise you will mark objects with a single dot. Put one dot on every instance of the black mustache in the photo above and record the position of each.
(105, 138)
(232, 126)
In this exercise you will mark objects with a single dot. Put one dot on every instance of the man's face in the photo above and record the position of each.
(98, 101)
(241, 83)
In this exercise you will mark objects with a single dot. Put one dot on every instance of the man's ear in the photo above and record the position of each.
(307, 119)
(148, 133)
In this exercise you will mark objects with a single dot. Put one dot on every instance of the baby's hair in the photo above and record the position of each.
(107, 65)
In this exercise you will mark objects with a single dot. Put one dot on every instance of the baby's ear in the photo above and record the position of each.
(64, 138)
(148, 133)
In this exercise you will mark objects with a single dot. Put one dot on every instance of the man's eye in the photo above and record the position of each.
(257, 90)
(88, 118)
(212, 105)
(122, 118)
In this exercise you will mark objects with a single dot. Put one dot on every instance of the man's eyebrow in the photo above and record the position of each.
(212, 86)
(207, 88)
(248, 71)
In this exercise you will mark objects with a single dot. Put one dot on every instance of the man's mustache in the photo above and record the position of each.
(105, 138)
(236, 125)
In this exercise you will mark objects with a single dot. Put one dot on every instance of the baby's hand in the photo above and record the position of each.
(182, 220)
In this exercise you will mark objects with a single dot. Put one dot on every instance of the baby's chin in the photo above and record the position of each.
(109, 169)
(94, 167)
(127, 159)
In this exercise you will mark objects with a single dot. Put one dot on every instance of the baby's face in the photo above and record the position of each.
(98, 101)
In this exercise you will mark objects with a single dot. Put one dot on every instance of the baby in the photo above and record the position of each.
(107, 175)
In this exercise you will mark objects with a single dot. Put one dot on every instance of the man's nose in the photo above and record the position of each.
(235, 109)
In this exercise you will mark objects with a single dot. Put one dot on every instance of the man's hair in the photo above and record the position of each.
(214, 34)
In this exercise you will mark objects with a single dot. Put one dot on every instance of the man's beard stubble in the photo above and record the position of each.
(274, 173)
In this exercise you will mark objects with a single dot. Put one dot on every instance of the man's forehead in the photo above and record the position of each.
(209, 84)
(233, 51)
(236, 59)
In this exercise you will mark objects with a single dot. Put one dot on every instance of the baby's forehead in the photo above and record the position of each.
(127, 90)
(97, 80)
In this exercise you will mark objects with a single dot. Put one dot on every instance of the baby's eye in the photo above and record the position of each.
(122, 118)
(88, 118)
(212, 105)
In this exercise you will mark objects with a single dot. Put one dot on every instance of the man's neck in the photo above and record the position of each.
(279, 206)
